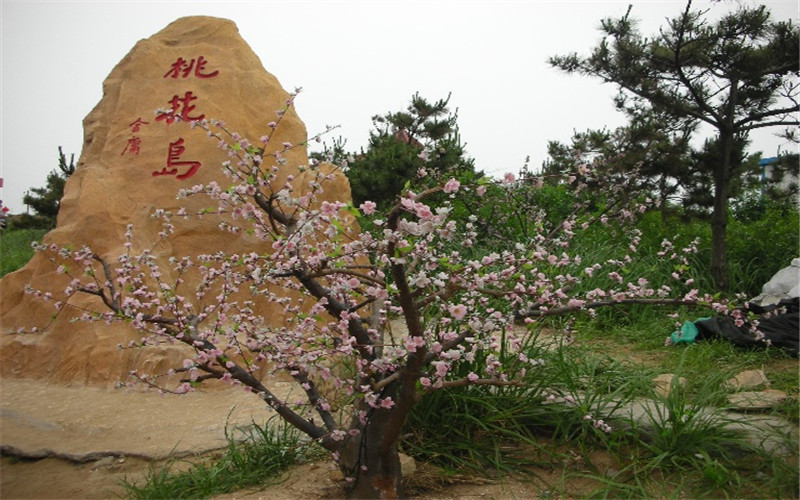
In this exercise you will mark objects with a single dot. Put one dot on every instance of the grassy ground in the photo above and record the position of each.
(258, 457)
(682, 453)
(15, 248)
(526, 432)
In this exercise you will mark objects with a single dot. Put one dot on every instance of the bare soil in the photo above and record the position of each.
(55, 478)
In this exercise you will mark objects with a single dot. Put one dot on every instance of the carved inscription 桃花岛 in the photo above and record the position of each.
(181, 107)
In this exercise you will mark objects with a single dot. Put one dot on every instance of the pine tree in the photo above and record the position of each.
(735, 75)
(46, 201)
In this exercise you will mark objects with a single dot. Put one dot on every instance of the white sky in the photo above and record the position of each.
(353, 59)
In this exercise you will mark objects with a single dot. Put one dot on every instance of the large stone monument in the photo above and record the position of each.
(133, 162)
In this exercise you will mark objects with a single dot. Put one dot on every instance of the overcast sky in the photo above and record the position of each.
(353, 59)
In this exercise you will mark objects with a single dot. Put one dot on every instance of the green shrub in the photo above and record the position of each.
(760, 247)
(760, 242)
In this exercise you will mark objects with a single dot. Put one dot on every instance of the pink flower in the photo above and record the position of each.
(458, 311)
(328, 209)
(508, 178)
(451, 186)
(183, 388)
(424, 212)
(441, 368)
(411, 343)
(387, 403)
(576, 303)
(368, 207)
(481, 190)
(472, 377)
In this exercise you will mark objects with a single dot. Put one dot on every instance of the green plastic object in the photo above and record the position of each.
(686, 334)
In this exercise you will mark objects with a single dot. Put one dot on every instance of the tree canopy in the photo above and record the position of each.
(420, 142)
(735, 74)
(46, 201)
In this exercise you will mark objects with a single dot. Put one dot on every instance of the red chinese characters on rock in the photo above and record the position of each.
(181, 104)
(134, 145)
(176, 149)
(183, 68)
(182, 108)
(137, 124)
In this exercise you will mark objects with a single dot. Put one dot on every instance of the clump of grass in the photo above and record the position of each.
(470, 427)
(683, 445)
(257, 459)
(681, 429)
(486, 428)
(15, 248)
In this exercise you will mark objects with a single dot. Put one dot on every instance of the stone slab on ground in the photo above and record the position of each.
(87, 423)
(749, 379)
(763, 431)
(756, 400)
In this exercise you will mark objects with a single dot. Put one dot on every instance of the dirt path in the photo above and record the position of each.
(82, 423)
(101, 480)
(90, 438)
(57, 478)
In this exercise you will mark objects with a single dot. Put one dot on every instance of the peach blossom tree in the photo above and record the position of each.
(338, 288)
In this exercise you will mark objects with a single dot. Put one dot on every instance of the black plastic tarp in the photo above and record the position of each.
(779, 325)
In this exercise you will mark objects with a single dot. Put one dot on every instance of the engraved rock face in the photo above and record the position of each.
(134, 161)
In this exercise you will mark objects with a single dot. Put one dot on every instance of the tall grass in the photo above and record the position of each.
(685, 443)
(487, 428)
(256, 458)
(15, 248)
(678, 446)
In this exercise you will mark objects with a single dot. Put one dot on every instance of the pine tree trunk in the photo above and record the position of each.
(719, 218)
(719, 223)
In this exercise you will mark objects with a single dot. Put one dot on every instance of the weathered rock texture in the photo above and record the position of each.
(133, 162)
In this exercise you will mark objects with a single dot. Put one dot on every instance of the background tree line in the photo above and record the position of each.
(734, 75)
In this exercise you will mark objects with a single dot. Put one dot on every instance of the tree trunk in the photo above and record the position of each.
(371, 459)
(719, 218)
(662, 202)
